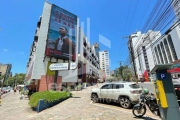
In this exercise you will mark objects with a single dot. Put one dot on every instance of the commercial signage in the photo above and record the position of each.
(62, 34)
(59, 66)
(73, 66)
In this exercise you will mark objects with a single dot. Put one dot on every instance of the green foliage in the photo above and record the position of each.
(125, 72)
(48, 96)
(18, 78)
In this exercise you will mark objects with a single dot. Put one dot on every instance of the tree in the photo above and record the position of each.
(121, 71)
(18, 78)
(112, 74)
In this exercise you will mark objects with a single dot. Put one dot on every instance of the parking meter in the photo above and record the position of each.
(165, 94)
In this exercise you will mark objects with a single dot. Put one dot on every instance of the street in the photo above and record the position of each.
(79, 107)
(149, 86)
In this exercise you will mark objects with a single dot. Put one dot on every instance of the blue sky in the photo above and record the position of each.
(110, 18)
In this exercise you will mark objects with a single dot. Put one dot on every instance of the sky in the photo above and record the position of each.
(112, 19)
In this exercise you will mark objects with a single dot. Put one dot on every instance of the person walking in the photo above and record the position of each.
(14, 90)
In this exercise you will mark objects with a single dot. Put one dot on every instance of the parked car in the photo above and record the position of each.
(125, 93)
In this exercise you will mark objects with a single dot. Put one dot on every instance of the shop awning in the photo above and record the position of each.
(175, 70)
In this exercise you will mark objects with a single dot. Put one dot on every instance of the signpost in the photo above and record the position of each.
(73, 66)
(59, 66)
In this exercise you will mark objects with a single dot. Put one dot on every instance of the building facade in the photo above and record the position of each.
(88, 59)
(105, 62)
(38, 73)
(166, 49)
(140, 52)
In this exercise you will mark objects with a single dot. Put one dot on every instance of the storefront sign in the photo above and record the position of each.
(59, 66)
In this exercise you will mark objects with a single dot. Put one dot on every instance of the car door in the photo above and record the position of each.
(105, 91)
(116, 91)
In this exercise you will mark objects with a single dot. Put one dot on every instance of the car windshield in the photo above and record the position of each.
(134, 86)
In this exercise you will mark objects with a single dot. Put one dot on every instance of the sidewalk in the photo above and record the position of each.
(79, 107)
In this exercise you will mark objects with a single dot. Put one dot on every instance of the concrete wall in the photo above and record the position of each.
(39, 65)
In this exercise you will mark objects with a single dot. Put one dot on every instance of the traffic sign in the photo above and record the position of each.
(162, 76)
(59, 66)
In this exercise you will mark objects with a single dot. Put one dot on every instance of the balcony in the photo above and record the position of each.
(39, 24)
(85, 44)
(36, 38)
(85, 54)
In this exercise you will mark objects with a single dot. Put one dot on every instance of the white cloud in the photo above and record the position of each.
(5, 50)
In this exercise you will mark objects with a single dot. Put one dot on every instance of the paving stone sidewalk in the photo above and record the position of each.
(79, 107)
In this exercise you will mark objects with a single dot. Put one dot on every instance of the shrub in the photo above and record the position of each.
(48, 96)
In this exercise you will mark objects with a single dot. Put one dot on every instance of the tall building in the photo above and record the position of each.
(105, 62)
(5, 69)
(141, 57)
(55, 44)
(88, 59)
(166, 49)
(176, 7)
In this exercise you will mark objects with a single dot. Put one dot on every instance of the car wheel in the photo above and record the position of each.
(125, 102)
(94, 98)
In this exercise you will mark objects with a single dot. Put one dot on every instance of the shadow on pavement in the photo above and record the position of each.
(75, 97)
(146, 118)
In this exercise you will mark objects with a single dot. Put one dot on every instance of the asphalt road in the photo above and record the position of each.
(149, 86)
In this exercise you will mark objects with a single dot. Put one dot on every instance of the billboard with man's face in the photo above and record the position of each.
(61, 41)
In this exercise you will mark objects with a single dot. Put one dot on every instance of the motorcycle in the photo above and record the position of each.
(139, 110)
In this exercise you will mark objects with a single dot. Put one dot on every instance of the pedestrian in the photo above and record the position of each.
(19, 90)
(14, 90)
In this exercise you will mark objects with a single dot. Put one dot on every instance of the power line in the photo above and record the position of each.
(125, 27)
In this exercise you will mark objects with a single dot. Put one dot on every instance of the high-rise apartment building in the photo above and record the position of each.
(141, 57)
(105, 62)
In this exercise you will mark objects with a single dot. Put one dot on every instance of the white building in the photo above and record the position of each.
(105, 62)
(167, 48)
(176, 7)
(88, 58)
(38, 72)
(140, 51)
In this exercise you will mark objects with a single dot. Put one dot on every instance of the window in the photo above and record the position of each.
(157, 55)
(168, 51)
(107, 86)
(172, 47)
(118, 86)
(160, 54)
(134, 86)
(163, 51)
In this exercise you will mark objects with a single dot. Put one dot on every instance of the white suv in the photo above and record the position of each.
(123, 93)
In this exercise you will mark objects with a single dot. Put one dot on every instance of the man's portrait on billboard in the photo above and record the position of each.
(61, 41)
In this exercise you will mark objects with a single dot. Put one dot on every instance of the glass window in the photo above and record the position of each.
(157, 55)
(107, 86)
(134, 86)
(168, 51)
(172, 47)
(118, 86)
(163, 52)
(160, 54)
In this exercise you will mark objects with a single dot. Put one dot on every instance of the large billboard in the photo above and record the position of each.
(62, 34)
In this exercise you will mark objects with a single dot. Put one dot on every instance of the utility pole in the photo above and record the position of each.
(130, 46)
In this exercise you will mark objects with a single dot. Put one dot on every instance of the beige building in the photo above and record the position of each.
(3, 68)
